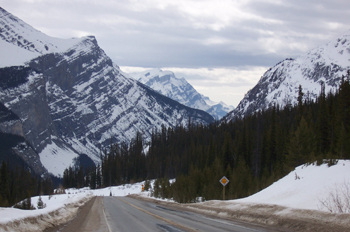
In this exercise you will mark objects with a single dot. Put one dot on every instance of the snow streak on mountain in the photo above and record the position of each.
(324, 65)
(166, 83)
(71, 99)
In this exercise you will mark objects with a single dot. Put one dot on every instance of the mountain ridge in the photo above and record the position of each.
(74, 100)
(178, 89)
(323, 65)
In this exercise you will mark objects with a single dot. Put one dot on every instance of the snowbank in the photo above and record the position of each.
(59, 208)
(118, 191)
(305, 187)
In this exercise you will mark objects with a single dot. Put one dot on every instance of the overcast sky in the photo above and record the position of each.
(221, 47)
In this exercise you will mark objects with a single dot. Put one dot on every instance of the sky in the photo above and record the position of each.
(221, 47)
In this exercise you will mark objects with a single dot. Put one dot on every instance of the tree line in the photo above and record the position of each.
(18, 184)
(252, 152)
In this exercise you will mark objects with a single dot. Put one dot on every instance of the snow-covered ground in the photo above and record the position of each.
(303, 188)
(58, 201)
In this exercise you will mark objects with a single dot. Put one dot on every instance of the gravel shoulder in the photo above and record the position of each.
(89, 218)
(274, 216)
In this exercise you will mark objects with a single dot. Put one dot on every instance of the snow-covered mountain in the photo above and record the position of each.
(24, 42)
(178, 89)
(279, 85)
(71, 99)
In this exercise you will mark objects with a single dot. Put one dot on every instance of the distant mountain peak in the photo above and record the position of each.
(178, 89)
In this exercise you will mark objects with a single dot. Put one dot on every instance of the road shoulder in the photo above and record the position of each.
(89, 218)
(273, 216)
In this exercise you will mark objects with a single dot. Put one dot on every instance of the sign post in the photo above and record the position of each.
(224, 181)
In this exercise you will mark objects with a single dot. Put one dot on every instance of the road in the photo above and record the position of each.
(122, 214)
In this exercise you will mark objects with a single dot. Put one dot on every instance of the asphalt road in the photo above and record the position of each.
(128, 214)
(123, 214)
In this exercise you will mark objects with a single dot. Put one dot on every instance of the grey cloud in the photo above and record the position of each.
(166, 37)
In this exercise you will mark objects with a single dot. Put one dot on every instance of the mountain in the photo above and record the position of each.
(324, 65)
(71, 100)
(166, 83)
(14, 148)
(24, 42)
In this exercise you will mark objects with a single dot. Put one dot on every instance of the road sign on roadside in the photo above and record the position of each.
(224, 181)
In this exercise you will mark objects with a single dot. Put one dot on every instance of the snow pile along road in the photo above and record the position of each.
(295, 201)
(305, 187)
(59, 208)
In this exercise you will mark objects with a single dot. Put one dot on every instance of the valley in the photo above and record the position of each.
(77, 133)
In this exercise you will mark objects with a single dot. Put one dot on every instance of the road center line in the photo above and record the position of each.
(161, 218)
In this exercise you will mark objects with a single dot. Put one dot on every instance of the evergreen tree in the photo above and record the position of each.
(40, 203)
(322, 123)
(301, 148)
(300, 102)
(4, 185)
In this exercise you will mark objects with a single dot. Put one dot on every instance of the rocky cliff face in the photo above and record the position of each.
(76, 101)
(14, 147)
(324, 65)
(10, 122)
(26, 97)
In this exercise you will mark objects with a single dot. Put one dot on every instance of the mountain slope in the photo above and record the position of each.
(24, 42)
(74, 100)
(279, 85)
(20, 34)
(166, 83)
(14, 149)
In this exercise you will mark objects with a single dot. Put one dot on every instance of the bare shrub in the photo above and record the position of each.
(338, 200)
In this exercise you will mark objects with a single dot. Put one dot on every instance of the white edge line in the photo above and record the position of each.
(109, 228)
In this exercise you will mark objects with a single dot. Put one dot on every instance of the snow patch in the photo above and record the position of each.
(16, 56)
(56, 159)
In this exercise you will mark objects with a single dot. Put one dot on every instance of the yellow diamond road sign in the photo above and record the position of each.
(224, 181)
